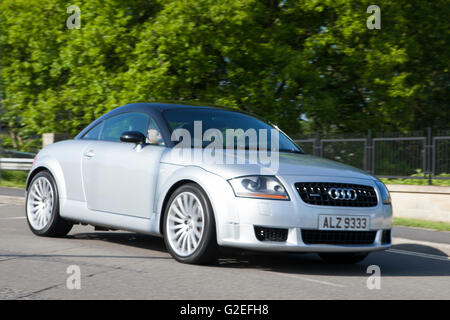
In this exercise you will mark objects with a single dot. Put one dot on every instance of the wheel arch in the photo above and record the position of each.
(171, 190)
(216, 188)
(54, 168)
(33, 174)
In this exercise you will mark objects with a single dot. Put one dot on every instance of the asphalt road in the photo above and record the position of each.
(122, 265)
(12, 192)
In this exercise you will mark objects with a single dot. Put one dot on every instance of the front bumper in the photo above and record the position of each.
(294, 216)
(245, 238)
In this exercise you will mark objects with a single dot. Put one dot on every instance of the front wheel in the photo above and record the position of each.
(42, 207)
(189, 227)
(344, 257)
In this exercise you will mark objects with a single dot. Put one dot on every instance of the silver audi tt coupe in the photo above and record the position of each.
(204, 178)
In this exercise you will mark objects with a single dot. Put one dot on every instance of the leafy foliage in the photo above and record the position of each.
(285, 60)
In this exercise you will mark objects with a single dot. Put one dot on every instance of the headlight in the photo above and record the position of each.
(263, 187)
(385, 196)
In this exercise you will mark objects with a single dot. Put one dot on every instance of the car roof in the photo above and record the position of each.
(163, 106)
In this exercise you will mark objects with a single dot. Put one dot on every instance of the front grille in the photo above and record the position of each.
(338, 237)
(271, 234)
(316, 193)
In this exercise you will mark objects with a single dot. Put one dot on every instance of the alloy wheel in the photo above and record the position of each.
(185, 223)
(40, 203)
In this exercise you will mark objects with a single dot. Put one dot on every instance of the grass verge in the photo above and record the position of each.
(420, 182)
(417, 182)
(416, 223)
(13, 179)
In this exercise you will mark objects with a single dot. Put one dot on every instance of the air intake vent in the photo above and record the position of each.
(386, 237)
(338, 237)
(271, 234)
(337, 194)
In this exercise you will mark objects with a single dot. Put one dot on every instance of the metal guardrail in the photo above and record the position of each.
(15, 164)
(7, 153)
(411, 155)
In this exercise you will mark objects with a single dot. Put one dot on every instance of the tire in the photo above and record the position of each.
(189, 226)
(45, 221)
(344, 258)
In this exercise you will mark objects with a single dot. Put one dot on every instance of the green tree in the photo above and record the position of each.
(285, 60)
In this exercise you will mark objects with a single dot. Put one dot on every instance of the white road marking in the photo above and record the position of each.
(419, 254)
(12, 218)
(439, 245)
(12, 200)
(312, 280)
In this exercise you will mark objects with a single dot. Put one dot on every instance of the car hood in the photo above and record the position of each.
(280, 164)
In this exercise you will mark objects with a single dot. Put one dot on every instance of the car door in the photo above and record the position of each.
(121, 177)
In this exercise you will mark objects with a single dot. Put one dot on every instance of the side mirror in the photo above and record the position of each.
(133, 137)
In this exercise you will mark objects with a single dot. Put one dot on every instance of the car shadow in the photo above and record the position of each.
(420, 249)
(136, 240)
(402, 260)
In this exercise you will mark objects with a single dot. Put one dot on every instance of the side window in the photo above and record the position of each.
(115, 126)
(94, 132)
(154, 134)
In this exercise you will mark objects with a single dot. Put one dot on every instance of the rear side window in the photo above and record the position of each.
(115, 126)
(94, 132)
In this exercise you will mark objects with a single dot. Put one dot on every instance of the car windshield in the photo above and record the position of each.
(233, 129)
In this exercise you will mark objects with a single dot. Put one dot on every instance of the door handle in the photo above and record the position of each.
(89, 154)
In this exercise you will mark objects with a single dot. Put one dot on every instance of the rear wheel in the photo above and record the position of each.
(344, 257)
(42, 207)
(189, 227)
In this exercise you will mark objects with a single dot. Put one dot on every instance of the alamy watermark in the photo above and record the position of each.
(73, 281)
(234, 146)
(74, 20)
(374, 281)
(374, 21)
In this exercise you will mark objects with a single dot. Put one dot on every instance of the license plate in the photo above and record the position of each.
(328, 222)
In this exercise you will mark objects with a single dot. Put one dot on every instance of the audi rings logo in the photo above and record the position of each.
(342, 194)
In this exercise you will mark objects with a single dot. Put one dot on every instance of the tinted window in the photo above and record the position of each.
(222, 120)
(94, 132)
(115, 126)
